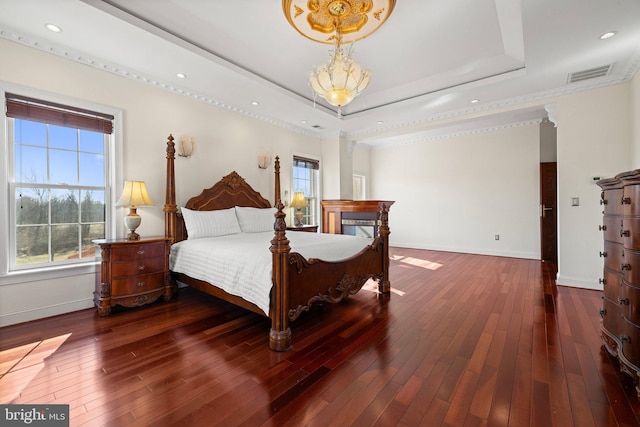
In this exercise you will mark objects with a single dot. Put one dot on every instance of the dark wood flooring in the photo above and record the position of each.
(464, 340)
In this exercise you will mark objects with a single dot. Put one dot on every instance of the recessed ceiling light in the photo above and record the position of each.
(607, 35)
(380, 122)
(304, 122)
(54, 28)
(475, 101)
(181, 75)
(255, 103)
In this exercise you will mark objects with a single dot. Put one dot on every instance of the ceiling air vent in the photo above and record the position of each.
(589, 74)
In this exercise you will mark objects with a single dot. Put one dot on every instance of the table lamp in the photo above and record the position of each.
(133, 196)
(299, 202)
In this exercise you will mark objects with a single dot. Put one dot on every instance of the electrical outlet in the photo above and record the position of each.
(497, 237)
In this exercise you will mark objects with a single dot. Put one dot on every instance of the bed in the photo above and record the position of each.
(296, 282)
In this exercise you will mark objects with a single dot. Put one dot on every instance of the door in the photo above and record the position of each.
(548, 212)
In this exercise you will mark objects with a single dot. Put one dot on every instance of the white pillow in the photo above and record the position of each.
(255, 220)
(210, 223)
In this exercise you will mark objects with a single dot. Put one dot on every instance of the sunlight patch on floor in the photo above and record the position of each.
(372, 286)
(19, 365)
(417, 262)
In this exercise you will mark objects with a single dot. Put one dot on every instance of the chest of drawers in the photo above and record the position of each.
(620, 329)
(131, 273)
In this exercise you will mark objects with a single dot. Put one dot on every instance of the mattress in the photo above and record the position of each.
(240, 264)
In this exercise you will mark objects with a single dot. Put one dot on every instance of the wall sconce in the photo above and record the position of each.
(185, 146)
(264, 160)
(134, 195)
(299, 202)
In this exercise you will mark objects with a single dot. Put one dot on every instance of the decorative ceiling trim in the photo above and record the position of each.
(133, 75)
(542, 96)
(469, 132)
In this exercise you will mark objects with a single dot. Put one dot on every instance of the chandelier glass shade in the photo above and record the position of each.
(341, 79)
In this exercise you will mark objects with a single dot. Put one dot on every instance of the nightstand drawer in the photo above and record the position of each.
(141, 251)
(141, 266)
(137, 284)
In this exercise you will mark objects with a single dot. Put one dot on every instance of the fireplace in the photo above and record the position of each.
(354, 217)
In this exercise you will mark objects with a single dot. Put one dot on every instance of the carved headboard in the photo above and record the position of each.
(232, 190)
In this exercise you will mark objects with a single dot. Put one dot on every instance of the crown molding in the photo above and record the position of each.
(455, 134)
(133, 75)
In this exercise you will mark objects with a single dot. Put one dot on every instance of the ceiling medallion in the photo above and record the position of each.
(318, 19)
(338, 22)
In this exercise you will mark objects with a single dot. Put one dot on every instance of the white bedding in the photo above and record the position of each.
(240, 263)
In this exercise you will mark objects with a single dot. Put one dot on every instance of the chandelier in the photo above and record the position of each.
(341, 79)
(338, 22)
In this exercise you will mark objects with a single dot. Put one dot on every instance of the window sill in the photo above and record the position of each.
(16, 277)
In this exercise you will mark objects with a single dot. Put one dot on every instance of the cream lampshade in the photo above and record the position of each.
(299, 202)
(134, 195)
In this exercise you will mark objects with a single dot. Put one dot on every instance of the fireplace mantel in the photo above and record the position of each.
(335, 213)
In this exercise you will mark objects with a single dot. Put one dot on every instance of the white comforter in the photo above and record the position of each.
(241, 263)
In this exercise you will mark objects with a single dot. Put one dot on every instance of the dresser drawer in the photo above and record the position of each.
(612, 284)
(613, 255)
(131, 252)
(612, 200)
(631, 200)
(612, 228)
(141, 266)
(630, 230)
(136, 284)
(628, 336)
(630, 266)
(629, 300)
(612, 319)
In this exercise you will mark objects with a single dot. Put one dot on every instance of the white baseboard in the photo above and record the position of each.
(42, 312)
(576, 282)
(508, 254)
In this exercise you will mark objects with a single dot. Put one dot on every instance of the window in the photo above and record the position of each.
(58, 182)
(305, 179)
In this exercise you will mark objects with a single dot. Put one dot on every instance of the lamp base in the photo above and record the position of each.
(133, 235)
(132, 221)
(299, 216)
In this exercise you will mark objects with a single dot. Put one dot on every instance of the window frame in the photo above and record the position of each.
(311, 213)
(114, 180)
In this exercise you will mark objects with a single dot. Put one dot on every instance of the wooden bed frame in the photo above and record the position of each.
(298, 283)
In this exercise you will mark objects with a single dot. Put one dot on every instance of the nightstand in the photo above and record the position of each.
(131, 272)
(305, 227)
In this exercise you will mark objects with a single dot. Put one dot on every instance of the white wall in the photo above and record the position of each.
(635, 120)
(594, 140)
(456, 194)
(225, 141)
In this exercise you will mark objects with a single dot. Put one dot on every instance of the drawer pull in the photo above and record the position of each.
(602, 227)
(624, 301)
(624, 338)
(603, 254)
(603, 312)
(625, 267)
(624, 233)
(625, 201)
(141, 284)
(140, 267)
(602, 281)
(141, 252)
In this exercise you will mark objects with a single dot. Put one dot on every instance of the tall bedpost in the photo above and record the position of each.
(384, 285)
(280, 333)
(170, 207)
(276, 167)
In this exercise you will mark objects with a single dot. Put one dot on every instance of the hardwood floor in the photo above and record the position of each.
(464, 340)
